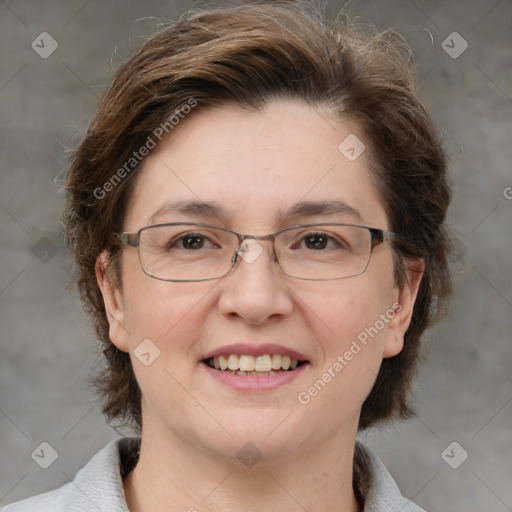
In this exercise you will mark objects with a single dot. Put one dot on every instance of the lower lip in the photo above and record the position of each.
(266, 383)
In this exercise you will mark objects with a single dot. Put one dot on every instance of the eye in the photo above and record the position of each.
(191, 241)
(318, 242)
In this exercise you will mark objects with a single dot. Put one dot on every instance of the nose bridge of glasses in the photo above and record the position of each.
(249, 248)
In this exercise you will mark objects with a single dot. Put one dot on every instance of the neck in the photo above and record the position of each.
(170, 470)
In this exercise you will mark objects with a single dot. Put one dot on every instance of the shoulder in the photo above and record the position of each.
(377, 487)
(49, 501)
(97, 486)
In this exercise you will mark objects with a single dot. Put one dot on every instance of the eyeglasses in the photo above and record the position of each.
(185, 252)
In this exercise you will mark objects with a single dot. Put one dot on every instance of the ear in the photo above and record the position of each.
(114, 305)
(403, 308)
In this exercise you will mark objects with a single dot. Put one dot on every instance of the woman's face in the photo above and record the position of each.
(256, 167)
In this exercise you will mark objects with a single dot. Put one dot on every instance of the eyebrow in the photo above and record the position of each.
(301, 209)
(193, 208)
(313, 208)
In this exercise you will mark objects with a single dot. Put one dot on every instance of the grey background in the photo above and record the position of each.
(464, 390)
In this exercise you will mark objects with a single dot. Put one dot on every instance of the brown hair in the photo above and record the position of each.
(248, 55)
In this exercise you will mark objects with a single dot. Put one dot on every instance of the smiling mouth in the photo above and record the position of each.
(254, 366)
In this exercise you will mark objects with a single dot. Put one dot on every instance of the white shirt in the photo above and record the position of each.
(98, 487)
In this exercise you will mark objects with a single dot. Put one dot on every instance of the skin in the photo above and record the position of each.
(255, 165)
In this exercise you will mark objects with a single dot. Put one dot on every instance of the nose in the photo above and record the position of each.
(254, 290)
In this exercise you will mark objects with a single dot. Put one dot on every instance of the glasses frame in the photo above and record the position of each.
(377, 237)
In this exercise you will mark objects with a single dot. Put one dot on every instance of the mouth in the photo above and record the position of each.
(247, 365)
(255, 368)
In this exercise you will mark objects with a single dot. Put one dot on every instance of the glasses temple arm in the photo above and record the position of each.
(131, 239)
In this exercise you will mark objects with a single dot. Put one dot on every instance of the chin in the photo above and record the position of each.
(257, 433)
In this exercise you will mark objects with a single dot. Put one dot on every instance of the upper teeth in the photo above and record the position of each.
(246, 363)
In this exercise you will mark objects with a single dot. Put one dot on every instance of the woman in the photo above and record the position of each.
(257, 215)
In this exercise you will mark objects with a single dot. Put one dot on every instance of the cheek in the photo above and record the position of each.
(161, 311)
(338, 311)
(149, 306)
(171, 315)
(349, 321)
(165, 322)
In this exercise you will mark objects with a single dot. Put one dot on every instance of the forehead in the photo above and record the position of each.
(256, 168)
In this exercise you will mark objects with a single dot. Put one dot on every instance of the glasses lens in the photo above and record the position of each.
(185, 252)
(182, 252)
(324, 251)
